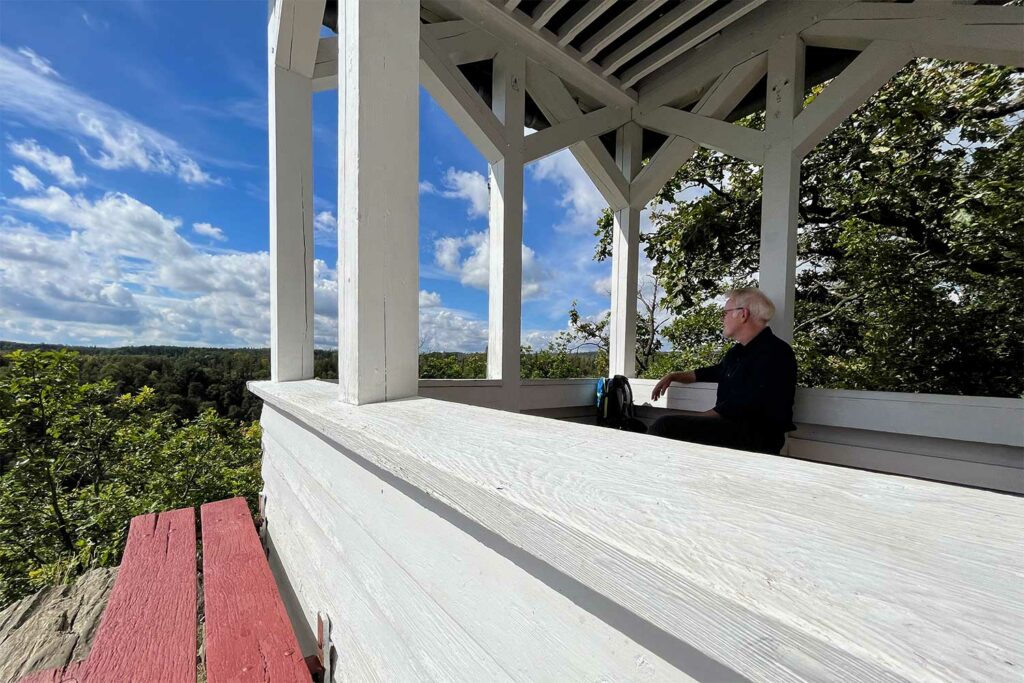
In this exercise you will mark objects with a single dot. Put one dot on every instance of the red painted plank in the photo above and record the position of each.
(148, 632)
(63, 674)
(248, 634)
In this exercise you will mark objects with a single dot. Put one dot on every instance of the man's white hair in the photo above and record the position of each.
(754, 300)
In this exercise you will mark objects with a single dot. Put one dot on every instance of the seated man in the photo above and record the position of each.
(756, 383)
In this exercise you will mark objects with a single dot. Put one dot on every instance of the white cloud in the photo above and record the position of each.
(470, 186)
(325, 225)
(207, 230)
(40, 64)
(39, 99)
(582, 201)
(116, 224)
(429, 299)
(443, 329)
(59, 166)
(602, 285)
(24, 177)
(116, 271)
(467, 259)
(189, 171)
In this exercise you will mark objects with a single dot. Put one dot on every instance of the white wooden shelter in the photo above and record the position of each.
(488, 542)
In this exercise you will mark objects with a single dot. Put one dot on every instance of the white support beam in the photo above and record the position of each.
(860, 80)
(629, 18)
(459, 41)
(473, 46)
(293, 31)
(292, 41)
(446, 29)
(690, 39)
(557, 105)
(545, 10)
(325, 69)
(584, 17)
(454, 93)
(378, 269)
(672, 154)
(672, 20)
(780, 193)
(680, 82)
(965, 33)
(625, 260)
(290, 129)
(571, 131)
(542, 46)
(718, 101)
(505, 275)
(745, 143)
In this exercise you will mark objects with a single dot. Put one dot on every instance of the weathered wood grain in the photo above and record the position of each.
(441, 584)
(53, 627)
(71, 673)
(148, 632)
(779, 569)
(383, 626)
(248, 635)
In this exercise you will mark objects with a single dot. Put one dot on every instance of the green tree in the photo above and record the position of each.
(911, 242)
(79, 460)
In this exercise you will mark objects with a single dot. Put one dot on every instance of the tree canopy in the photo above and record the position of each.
(79, 459)
(910, 271)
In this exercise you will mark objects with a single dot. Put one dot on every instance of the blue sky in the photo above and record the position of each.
(133, 190)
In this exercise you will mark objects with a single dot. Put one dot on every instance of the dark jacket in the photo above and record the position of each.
(756, 383)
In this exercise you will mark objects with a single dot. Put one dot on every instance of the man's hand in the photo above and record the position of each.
(663, 384)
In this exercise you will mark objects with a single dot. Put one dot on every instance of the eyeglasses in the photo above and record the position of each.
(738, 308)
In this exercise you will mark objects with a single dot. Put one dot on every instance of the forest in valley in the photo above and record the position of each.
(910, 279)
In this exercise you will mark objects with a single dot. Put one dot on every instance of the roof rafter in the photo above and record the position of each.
(558, 105)
(860, 80)
(545, 10)
(653, 33)
(691, 38)
(680, 80)
(717, 102)
(625, 21)
(542, 47)
(583, 18)
(992, 35)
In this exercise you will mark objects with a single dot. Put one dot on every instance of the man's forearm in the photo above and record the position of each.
(684, 377)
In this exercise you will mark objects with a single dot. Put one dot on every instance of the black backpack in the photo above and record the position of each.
(615, 405)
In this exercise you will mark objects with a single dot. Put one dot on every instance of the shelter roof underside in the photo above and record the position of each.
(643, 54)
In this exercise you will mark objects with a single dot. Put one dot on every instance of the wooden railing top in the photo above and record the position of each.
(774, 569)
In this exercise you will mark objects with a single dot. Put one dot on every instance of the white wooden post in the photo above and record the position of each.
(625, 259)
(780, 189)
(378, 151)
(505, 284)
(291, 40)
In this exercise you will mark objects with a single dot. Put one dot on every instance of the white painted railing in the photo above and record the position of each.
(972, 440)
(475, 544)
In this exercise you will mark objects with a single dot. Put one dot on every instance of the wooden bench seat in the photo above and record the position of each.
(248, 634)
(148, 630)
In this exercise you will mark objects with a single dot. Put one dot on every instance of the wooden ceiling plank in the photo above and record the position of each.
(695, 36)
(584, 17)
(653, 33)
(541, 47)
